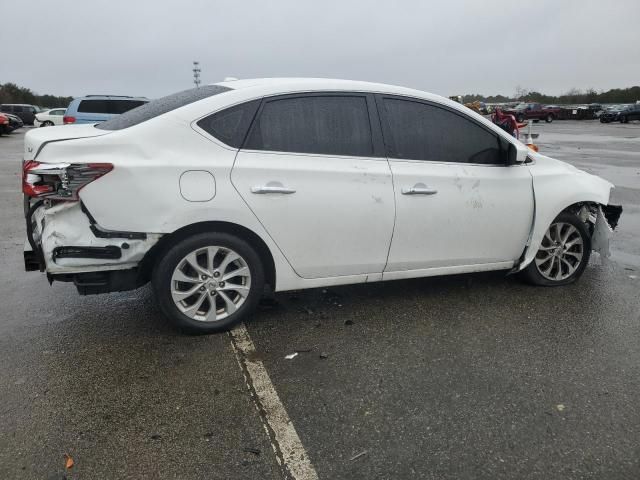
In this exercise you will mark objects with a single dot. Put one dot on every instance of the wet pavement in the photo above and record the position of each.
(470, 376)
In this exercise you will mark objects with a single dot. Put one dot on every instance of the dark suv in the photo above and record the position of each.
(26, 112)
(631, 113)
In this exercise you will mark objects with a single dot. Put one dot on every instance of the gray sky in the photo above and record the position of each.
(145, 47)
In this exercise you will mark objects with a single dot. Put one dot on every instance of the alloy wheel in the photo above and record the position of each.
(561, 252)
(210, 283)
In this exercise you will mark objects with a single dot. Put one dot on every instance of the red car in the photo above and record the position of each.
(4, 124)
(534, 111)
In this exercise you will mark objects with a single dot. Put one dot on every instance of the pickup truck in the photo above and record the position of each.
(534, 111)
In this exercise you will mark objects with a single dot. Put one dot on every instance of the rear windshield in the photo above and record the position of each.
(161, 106)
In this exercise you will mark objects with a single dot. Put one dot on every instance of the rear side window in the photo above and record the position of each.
(421, 131)
(94, 106)
(161, 106)
(330, 125)
(230, 125)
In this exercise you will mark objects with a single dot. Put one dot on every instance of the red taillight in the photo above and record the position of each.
(68, 119)
(60, 181)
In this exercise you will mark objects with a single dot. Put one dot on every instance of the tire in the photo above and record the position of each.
(602, 120)
(554, 263)
(47, 123)
(188, 304)
(549, 118)
(623, 119)
(520, 118)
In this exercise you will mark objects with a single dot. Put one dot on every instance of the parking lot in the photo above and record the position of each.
(469, 376)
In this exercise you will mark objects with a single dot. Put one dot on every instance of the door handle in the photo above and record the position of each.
(272, 189)
(419, 189)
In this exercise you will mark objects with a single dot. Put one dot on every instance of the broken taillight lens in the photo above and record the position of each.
(60, 181)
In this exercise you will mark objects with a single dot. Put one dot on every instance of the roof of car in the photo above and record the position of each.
(276, 85)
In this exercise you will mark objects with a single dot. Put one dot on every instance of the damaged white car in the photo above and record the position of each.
(217, 193)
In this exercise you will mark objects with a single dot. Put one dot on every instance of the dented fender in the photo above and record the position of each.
(557, 186)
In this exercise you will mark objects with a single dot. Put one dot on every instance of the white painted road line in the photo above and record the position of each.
(285, 442)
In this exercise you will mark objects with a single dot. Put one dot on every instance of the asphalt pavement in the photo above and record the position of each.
(462, 377)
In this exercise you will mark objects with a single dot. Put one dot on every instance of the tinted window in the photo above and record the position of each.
(17, 109)
(424, 132)
(331, 125)
(230, 125)
(94, 106)
(120, 106)
(161, 106)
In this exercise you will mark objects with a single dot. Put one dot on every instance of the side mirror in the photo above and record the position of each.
(516, 154)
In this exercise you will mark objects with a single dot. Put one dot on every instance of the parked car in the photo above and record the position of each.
(610, 113)
(26, 112)
(99, 108)
(4, 124)
(632, 112)
(533, 111)
(49, 118)
(15, 122)
(215, 192)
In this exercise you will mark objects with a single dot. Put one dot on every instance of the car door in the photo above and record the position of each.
(314, 173)
(56, 116)
(459, 206)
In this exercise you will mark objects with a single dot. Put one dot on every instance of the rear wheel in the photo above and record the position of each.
(623, 119)
(47, 123)
(209, 282)
(520, 118)
(549, 118)
(563, 254)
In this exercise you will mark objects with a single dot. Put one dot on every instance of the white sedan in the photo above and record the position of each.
(216, 192)
(49, 118)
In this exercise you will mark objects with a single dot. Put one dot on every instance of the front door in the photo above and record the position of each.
(459, 206)
(311, 174)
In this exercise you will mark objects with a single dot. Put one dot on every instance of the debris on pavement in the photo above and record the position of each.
(291, 356)
(324, 355)
(255, 451)
(355, 457)
(68, 461)
(633, 277)
(348, 322)
(304, 350)
(560, 407)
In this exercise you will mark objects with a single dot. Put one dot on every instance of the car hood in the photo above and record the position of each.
(35, 139)
(553, 165)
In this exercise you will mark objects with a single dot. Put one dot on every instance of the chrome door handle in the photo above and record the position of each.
(419, 189)
(272, 189)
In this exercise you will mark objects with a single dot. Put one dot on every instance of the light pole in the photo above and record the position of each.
(196, 73)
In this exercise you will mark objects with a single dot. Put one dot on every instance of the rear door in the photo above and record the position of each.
(314, 172)
(458, 205)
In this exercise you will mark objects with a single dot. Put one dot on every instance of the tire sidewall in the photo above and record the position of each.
(163, 271)
(531, 273)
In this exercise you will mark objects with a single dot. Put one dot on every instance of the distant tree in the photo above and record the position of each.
(12, 93)
(572, 96)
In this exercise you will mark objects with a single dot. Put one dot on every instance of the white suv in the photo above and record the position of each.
(215, 193)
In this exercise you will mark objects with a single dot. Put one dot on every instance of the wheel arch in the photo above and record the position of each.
(168, 240)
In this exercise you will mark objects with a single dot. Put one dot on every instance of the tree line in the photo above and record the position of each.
(12, 93)
(573, 96)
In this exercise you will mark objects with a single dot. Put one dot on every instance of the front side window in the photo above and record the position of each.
(421, 131)
(316, 124)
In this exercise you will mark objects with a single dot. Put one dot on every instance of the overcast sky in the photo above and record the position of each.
(145, 47)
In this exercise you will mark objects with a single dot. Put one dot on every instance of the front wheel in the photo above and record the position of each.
(549, 118)
(623, 119)
(563, 254)
(520, 118)
(209, 282)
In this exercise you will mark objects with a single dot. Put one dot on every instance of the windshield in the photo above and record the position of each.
(161, 106)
